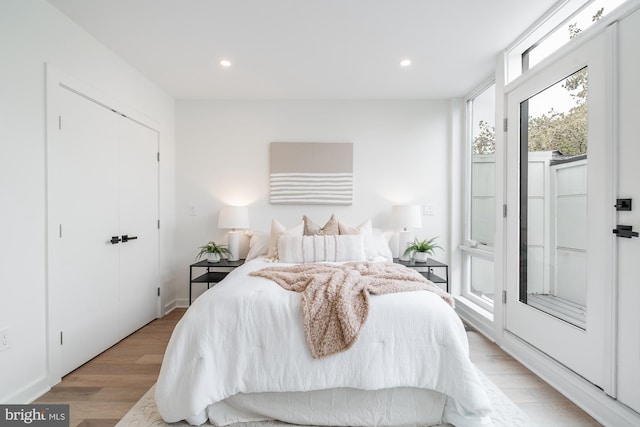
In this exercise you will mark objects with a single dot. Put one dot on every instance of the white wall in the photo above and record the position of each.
(33, 33)
(222, 157)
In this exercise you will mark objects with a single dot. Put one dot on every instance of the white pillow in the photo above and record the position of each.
(366, 231)
(381, 243)
(258, 244)
(278, 230)
(321, 248)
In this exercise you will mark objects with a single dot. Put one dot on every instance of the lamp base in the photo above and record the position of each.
(234, 245)
(404, 240)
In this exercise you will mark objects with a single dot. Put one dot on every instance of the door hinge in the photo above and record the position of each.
(505, 124)
(158, 224)
(504, 297)
(504, 211)
(60, 337)
(158, 291)
(60, 231)
(158, 155)
(60, 122)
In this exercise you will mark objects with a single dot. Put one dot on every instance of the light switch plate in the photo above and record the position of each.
(5, 344)
(427, 210)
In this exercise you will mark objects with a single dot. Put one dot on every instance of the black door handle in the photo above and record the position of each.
(126, 238)
(115, 240)
(625, 231)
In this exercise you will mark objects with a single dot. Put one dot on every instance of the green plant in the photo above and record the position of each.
(427, 245)
(212, 248)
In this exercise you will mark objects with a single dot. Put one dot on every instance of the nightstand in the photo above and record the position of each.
(215, 272)
(426, 269)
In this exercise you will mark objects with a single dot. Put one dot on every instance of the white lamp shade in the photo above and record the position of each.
(406, 216)
(233, 217)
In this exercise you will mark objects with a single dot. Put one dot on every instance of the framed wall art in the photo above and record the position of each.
(310, 173)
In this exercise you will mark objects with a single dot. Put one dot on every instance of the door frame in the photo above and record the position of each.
(57, 79)
(547, 72)
(623, 138)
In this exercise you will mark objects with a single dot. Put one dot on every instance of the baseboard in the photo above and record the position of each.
(479, 319)
(590, 398)
(30, 393)
(168, 307)
(172, 305)
(182, 303)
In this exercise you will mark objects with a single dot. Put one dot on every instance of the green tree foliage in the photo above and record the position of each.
(485, 141)
(565, 132)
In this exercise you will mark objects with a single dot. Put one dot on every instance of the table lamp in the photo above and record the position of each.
(403, 217)
(234, 217)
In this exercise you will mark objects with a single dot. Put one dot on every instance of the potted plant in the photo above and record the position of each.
(213, 251)
(420, 249)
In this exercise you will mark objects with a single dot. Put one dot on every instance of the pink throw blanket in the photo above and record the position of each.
(335, 297)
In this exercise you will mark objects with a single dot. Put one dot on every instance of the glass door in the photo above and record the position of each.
(553, 199)
(560, 242)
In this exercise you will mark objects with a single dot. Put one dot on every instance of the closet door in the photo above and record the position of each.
(103, 227)
(83, 210)
(139, 222)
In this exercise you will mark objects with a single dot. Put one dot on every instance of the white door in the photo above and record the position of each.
(629, 187)
(139, 221)
(103, 185)
(83, 213)
(560, 242)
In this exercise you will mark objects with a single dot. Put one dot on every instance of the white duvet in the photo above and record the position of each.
(245, 335)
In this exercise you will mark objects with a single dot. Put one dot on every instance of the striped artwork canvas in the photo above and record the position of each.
(311, 173)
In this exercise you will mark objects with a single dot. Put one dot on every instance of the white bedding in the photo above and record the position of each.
(245, 335)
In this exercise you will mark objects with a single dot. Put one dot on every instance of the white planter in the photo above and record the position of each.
(420, 256)
(213, 257)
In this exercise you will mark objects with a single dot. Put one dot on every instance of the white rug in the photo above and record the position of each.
(505, 412)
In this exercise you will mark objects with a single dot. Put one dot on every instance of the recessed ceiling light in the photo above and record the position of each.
(405, 62)
(225, 63)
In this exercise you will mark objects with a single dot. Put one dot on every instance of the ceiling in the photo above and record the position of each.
(308, 49)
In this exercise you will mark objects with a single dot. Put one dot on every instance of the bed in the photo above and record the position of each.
(240, 354)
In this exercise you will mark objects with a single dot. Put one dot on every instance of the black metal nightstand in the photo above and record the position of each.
(426, 269)
(216, 271)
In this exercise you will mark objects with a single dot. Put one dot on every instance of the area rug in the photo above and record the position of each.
(505, 413)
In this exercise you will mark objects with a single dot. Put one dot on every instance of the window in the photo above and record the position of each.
(554, 31)
(477, 248)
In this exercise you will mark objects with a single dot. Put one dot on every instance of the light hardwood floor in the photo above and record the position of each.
(101, 391)
(545, 406)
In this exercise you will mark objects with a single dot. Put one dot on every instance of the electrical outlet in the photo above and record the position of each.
(5, 344)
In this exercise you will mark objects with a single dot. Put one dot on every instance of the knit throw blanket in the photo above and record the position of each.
(335, 297)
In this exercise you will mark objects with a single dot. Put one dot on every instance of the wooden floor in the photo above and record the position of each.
(102, 391)
(541, 402)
